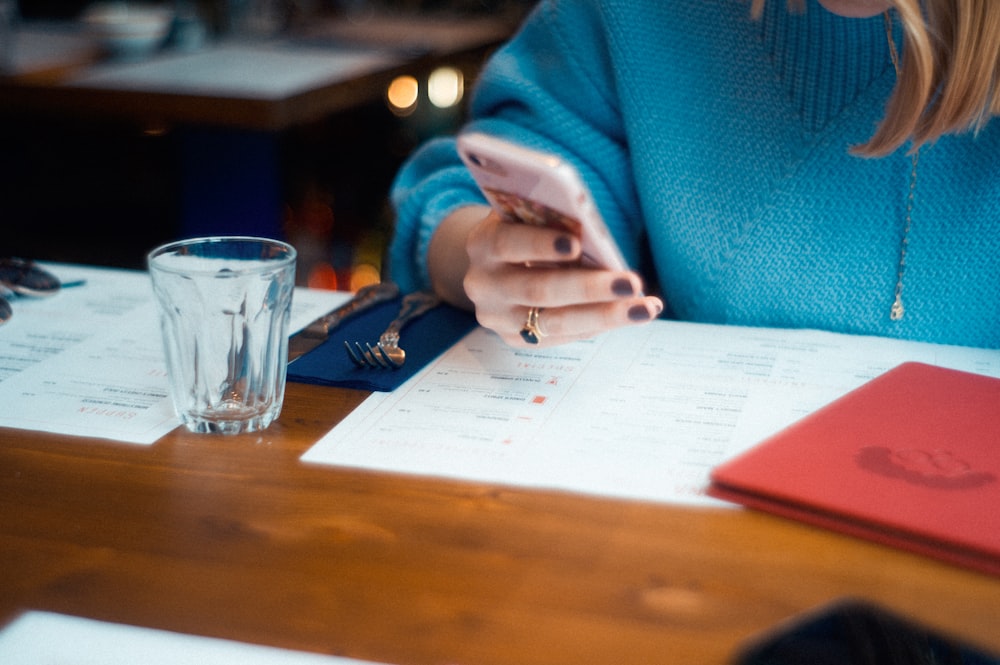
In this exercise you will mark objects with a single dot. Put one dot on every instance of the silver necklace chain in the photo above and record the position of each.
(897, 310)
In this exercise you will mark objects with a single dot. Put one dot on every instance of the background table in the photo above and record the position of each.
(230, 132)
(235, 538)
(248, 83)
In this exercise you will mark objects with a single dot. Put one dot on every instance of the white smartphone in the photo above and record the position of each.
(542, 189)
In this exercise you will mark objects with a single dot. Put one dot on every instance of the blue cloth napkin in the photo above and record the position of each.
(423, 339)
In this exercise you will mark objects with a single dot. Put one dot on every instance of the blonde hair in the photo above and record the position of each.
(949, 79)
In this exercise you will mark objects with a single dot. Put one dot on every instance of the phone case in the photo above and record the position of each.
(538, 188)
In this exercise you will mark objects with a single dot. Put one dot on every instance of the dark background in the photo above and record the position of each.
(106, 191)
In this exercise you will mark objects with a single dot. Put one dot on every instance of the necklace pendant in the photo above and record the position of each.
(897, 311)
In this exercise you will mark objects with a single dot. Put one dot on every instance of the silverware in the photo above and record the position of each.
(26, 278)
(318, 331)
(21, 277)
(387, 354)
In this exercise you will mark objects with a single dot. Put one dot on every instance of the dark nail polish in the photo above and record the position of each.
(622, 287)
(638, 313)
(564, 245)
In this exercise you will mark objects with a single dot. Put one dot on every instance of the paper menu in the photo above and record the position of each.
(640, 413)
(88, 361)
(58, 639)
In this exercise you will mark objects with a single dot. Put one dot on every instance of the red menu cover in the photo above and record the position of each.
(910, 459)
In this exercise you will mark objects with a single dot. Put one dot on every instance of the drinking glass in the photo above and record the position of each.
(224, 306)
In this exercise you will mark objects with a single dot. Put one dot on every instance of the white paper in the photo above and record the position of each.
(640, 413)
(44, 638)
(88, 361)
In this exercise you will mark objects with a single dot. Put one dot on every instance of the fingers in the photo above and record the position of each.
(569, 324)
(582, 322)
(498, 241)
(554, 287)
(559, 325)
(514, 268)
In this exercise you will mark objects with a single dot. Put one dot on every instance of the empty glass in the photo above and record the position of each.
(224, 307)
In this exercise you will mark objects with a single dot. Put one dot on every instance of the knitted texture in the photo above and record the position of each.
(723, 142)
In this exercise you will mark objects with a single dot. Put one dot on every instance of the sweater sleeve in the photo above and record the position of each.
(551, 87)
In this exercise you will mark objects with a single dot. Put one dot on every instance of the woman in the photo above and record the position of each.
(831, 166)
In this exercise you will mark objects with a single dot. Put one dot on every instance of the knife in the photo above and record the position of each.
(318, 331)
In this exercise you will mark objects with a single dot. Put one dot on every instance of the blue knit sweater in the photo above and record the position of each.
(718, 145)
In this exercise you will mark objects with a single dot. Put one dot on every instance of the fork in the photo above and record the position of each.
(387, 354)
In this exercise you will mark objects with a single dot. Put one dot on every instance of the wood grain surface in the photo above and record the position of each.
(234, 537)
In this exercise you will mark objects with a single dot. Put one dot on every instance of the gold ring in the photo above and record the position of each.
(531, 332)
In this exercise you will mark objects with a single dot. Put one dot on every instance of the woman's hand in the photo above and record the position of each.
(512, 268)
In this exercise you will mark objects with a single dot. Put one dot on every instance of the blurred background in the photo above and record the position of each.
(104, 189)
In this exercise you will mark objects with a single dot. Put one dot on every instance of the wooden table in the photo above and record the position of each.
(236, 538)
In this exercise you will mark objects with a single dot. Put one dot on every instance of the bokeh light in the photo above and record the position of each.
(445, 87)
(402, 95)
